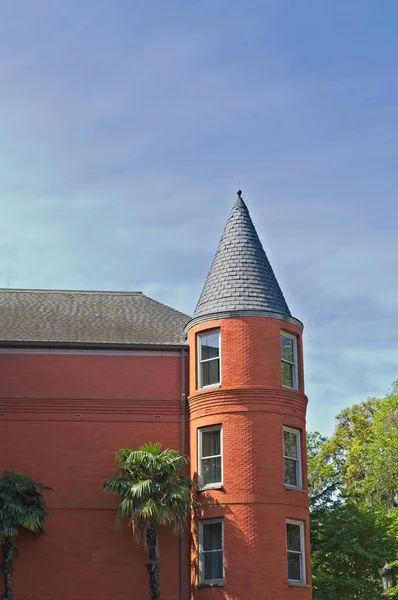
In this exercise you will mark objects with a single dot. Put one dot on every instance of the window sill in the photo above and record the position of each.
(209, 387)
(208, 488)
(206, 584)
(292, 389)
(298, 584)
(294, 488)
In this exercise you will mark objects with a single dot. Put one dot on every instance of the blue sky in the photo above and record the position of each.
(127, 126)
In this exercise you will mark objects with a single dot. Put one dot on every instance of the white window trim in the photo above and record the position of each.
(297, 432)
(199, 360)
(302, 553)
(218, 484)
(295, 366)
(202, 580)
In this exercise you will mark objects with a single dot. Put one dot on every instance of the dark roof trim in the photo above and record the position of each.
(230, 314)
(89, 346)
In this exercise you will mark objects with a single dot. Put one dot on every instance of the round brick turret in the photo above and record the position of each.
(255, 499)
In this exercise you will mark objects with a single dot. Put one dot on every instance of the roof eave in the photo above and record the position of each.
(230, 314)
(88, 345)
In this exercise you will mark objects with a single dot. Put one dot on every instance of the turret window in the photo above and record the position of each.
(292, 457)
(211, 552)
(295, 551)
(210, 457)
(289, 360)
(209, 358)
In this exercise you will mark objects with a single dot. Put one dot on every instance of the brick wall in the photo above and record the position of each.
(62, 416)
(252, 407)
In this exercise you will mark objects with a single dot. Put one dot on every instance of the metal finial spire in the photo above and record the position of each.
(240, 194)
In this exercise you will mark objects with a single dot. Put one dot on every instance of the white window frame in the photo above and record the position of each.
(294, 363)
(299, 471)
(202, 580)
(300, 524)
(199, 361)
(217, 484)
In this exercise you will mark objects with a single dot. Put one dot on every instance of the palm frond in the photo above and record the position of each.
(126, 508)
(143, 489)
(117, 486)
(153, 448)
(33, 521)
(152, 489)
(22, 505)
(121, 455)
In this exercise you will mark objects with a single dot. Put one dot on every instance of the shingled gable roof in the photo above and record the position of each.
(241, 277)
(69, 318)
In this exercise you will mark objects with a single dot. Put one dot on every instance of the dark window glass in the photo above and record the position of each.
(212, 551)
(294, 552)
(294, 566)
(291, 455)
(287, 374)
(212, 536)
(210, 345)
(287, 347)
(213, 565)
(210, 456)
(293, 537)
(291, 472)
(211, 443)
(290, 440)
(289, 359)
(211, 470)
(211, 372)
(209, 359)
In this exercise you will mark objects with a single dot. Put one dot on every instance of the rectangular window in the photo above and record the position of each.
(289, 360)
(295, 551)
(208, 358)
(292, 457)
(210, 456)
(211, 551)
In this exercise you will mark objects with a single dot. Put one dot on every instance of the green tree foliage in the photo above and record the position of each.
(22, 507)
(380, 453)
(324, 480)
(364, 448)
(346, 448)
(353, 484)
(350, 542)
(154, 492)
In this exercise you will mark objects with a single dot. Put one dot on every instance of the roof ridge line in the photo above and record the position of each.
(59, 291)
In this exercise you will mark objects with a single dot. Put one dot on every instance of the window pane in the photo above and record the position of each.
(211, 443)
(287, 348)
(294, 566)
(213, 565)
(212, 536)
(210, 345)
(291, 472)
(290, 440)
(211, 372)
(211, 470)
(293, 537)
(287, 374)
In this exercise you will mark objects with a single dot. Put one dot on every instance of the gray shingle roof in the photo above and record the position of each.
(78, 317)
(241, 277)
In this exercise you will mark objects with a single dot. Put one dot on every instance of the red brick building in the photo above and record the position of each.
(85, 373)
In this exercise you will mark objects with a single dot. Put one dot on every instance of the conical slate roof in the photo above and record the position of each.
(241, 277)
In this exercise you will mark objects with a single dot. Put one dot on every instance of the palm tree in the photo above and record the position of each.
(154, 492)
(22, 507)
